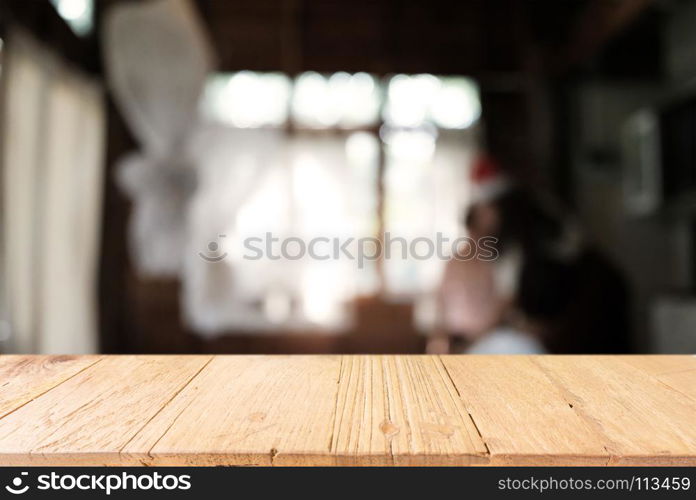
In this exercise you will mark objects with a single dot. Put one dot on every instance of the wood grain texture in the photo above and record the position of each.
(23, 378)
(247, 410)
(402, 410)
(637, 418)
(90, 417)
(347, 410)
(523, 416)
(677, 372)
(660, 365)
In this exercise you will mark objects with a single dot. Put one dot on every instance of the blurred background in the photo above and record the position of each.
(141, 142)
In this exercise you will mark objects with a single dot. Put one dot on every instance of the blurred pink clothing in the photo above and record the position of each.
(475, 294)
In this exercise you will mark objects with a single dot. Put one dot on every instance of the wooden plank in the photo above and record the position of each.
(660, 365)
(644, 421)
(675, 371)
(247, 410)
(402, 410)
(352, 410)
(90, 417)
(438, 430)
(24, 378)
(363, 428)
(523, 417)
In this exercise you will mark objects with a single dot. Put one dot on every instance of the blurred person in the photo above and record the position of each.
(547, 290)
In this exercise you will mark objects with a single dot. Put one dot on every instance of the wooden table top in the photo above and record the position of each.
(347, 410)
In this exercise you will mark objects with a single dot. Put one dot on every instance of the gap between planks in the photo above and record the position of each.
(571, 400)
(466, 407)
(176, 393)
(365, 377)
(347, 370)
(615, 447)
(334, 429)
(343, 372)
(272, 453)
(37, 396)
(337, 420)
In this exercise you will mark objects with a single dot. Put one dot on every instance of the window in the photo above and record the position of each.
(344, 156)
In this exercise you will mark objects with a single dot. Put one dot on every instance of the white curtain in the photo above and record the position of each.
(52, 165)
(254, 182)
(157, 60)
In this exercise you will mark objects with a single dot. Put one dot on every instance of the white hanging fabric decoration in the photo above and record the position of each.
(157, 60)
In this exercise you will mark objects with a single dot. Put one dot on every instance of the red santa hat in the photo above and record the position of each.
(488, 181)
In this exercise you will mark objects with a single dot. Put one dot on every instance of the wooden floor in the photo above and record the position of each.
(347, 410)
